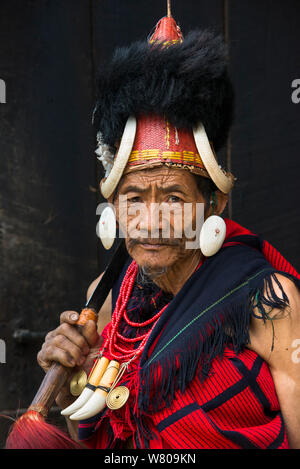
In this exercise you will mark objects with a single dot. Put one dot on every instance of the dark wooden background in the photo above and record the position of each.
(50, 51)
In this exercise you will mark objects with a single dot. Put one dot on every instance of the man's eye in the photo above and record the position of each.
(174, 199)
(134, 199)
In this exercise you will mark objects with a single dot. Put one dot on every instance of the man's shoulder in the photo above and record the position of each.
(270, 337)
(93, 286)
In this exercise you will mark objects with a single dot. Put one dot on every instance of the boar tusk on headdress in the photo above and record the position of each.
(223, 181)
(110, 183)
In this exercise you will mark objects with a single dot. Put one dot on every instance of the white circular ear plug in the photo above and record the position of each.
(212, 235)
(107, 227)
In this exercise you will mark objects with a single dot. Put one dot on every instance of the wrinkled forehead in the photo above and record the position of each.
(162, 179)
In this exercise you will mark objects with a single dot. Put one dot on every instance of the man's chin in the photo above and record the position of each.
(153, 272)
(156, 259)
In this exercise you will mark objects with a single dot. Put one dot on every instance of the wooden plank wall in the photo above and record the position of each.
(265, 48)
(47, 171)
(50, 52)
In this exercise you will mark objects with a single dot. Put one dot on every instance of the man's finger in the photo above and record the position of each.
(74, 335)
(89, 332)
(55, 354)
(71, 317)
(63, 343)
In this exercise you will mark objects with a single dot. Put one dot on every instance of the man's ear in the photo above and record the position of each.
(221, 201)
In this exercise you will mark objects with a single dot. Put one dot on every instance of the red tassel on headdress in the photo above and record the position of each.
(167, 31)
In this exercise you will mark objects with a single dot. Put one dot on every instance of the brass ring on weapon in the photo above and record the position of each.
(117, 397)
(78, 383)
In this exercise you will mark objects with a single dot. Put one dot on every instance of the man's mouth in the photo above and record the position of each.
(153, 243)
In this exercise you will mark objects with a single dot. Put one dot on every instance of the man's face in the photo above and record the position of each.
(155, 209)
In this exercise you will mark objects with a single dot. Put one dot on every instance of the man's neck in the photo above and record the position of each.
(176, 276)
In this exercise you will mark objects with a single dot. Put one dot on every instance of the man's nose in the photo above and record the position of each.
(151, 221)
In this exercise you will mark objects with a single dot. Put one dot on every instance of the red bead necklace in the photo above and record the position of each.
(114, 337)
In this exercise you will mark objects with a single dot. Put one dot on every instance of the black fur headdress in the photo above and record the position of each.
(188, 83)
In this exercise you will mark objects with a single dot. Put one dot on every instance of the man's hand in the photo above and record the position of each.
(73, 348)
(69, 347)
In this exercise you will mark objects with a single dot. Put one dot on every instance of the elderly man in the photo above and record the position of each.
(200, 326)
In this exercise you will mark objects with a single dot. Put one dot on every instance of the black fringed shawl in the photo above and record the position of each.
(212, 311)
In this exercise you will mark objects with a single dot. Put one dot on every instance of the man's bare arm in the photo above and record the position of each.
(282, 360)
